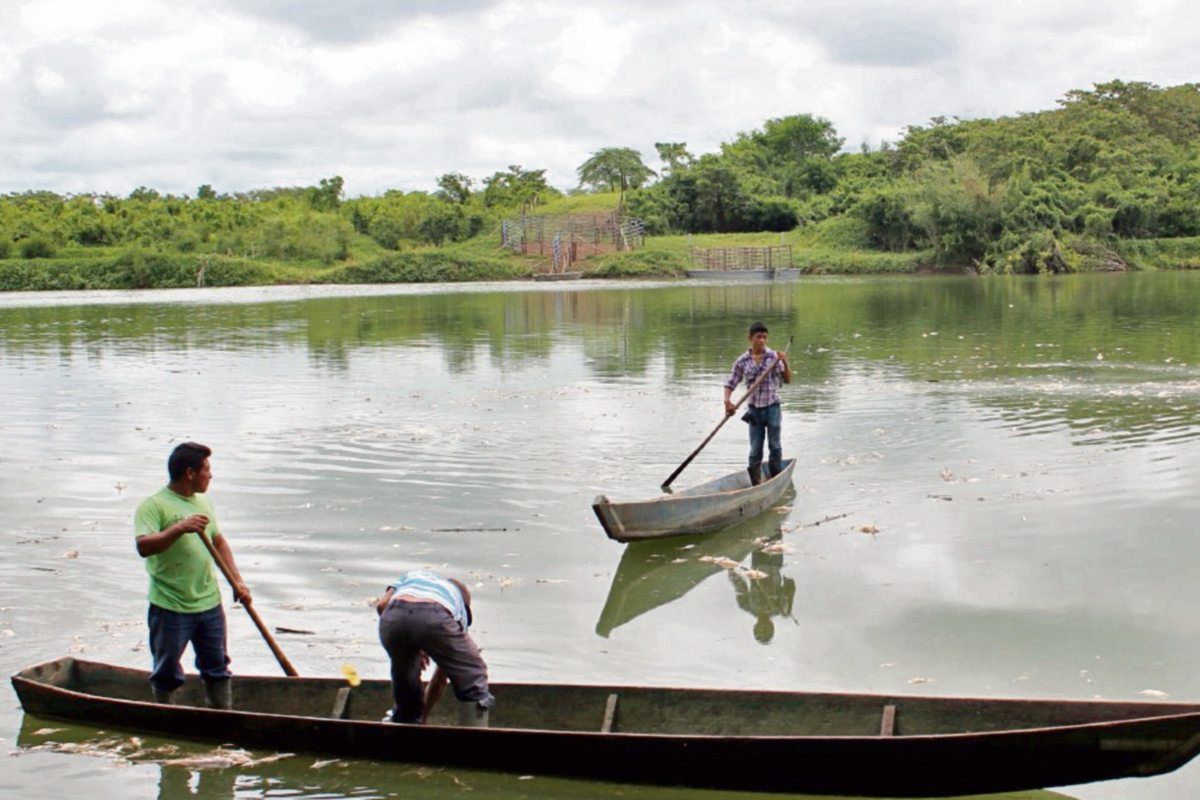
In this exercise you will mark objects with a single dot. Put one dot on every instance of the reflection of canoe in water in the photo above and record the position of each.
(766, 741)
(648, 575)
(710, 506)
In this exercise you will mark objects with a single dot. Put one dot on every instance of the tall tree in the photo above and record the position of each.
(615, 169)
(675, 155)
(517, 187)
(455, 187)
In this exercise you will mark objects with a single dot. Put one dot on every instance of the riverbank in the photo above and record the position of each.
(814, 252)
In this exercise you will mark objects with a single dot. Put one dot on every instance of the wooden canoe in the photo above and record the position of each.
(707, 507)
(768, 741)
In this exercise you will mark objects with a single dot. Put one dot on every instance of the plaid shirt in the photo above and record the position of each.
(745, 369)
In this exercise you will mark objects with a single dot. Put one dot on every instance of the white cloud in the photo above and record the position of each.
(254, 93)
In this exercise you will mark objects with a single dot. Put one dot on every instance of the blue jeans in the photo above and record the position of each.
(170, 633)
(766, 423)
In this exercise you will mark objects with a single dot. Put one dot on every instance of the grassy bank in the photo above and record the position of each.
(834, 247)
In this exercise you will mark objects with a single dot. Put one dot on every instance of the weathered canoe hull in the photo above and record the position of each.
(744, 274)
(557, 276)
(707, 507)
(758, 741)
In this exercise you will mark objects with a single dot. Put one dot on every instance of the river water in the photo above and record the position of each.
(996, 494)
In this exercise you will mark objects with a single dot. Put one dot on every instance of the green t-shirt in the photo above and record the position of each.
(183, 577)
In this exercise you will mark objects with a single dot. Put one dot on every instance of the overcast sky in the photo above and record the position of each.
(108, 95)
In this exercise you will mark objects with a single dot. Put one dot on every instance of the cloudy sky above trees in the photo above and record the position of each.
(390, 94)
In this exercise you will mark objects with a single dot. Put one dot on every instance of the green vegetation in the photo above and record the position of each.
(1110, 180)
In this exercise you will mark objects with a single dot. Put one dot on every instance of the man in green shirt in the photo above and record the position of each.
(185, 598)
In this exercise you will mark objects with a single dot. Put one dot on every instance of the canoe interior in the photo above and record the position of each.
(639, 710)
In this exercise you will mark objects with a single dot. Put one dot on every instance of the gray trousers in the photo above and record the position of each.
(409, 629)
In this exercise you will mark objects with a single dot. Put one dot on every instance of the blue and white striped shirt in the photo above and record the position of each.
(430, 586)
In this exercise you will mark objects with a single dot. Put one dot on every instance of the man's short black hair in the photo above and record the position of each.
(188, 455)
(758, 327)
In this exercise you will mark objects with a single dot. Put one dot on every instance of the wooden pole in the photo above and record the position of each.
(288, 669)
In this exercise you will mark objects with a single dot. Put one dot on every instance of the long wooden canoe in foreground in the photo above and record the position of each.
(706, 507)
(770, 741)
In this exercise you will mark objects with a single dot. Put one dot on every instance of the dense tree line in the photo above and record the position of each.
(303, 223)
(1036, 192)
(1056, 190)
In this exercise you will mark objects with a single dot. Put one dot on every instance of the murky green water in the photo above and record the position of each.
(1024, 451)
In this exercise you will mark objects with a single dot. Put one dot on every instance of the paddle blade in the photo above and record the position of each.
(351, 675)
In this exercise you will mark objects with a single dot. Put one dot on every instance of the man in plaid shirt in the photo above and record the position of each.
(763, 411)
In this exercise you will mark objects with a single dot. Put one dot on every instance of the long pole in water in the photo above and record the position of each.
(667, 483)
(288, 669)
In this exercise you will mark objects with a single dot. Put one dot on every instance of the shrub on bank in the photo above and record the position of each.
(1180, 253)
(424, 266)
(135, 269)
(635, 264)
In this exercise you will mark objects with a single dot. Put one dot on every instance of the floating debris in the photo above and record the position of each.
(1157, 695)
(721, 561)
(221, 759)
(919, 680)
(752, 574)
(823, 521)
(351, 675)
(71, 554)
(871, 529)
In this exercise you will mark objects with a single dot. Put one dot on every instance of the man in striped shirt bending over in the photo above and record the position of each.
(423, 616)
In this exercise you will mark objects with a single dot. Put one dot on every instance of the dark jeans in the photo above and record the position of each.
(170, 633)
(409, 629)
(766, 423)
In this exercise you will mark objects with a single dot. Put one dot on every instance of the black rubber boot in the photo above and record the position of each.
(219, 694)
(163, 698)
(755, 475)
(472, 715)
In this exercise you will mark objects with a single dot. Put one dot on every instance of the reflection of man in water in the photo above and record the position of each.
(182, 783)
(767, 597)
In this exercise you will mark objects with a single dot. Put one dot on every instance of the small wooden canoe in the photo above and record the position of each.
(767, 741)
(710, 506)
